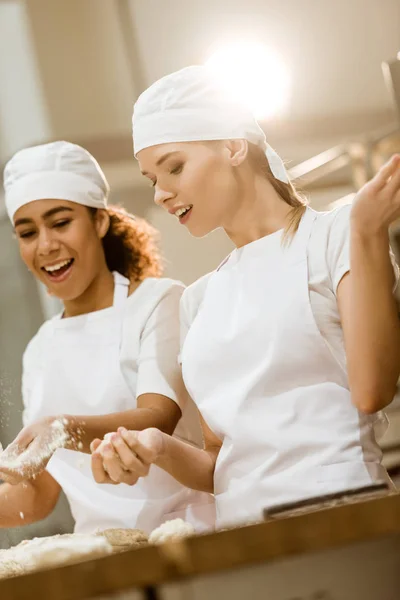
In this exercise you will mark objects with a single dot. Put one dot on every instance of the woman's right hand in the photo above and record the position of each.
(125, 456)
(27, 456)
(377, 204)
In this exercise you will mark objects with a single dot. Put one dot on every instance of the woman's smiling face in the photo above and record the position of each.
(194, 181)
(60, 243)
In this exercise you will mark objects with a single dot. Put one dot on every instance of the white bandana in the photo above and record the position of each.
(190, 105)
(55, 171)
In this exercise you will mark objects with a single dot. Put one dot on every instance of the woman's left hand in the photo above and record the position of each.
(377, 204)
(29, 453)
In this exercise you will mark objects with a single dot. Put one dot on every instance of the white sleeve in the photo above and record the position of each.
(190, 303)
(184, 323)
(30, 367)
(26, 387)
(338, 248)
(158, 368)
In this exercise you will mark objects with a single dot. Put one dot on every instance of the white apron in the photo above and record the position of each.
(267, 384)
(82, 376)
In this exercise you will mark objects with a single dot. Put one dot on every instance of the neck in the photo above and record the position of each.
(99, 295)
(259, 211)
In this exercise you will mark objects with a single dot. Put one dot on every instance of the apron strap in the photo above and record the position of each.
(121, 289)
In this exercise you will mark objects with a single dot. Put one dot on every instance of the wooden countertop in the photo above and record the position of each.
(298, 534)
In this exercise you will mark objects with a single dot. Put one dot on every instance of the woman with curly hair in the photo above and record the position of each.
(108, 360)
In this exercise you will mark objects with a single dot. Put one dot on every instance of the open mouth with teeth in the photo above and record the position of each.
(183, 213)
(58, 270)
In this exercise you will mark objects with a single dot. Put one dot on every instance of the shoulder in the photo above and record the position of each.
(154, 289)
(195, 291)
(193, 296)
(331, 225)
(154, 299)
(330, 235)
(329, 247)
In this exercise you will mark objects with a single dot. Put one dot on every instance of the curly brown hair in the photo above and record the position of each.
(131, 245)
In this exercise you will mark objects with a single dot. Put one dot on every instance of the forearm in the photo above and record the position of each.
(87, 428)
(373, 341)
(19, 505)
(191, 466)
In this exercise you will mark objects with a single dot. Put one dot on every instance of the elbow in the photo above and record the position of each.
(45, 511)
(35, 514)
(41, 511)
(206, 486)
(45, 501)
(372, 389)
(209, 489)
(369, 408)
(369, 402)
(168, 426)
(165, 422)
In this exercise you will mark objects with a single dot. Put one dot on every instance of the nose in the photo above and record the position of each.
(162, 196)
(46, 242)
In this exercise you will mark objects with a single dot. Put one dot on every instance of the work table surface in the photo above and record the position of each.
(289, 535)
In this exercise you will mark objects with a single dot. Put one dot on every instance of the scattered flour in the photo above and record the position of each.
(37, 452)
(171, 531)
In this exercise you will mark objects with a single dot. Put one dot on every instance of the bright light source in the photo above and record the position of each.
(254, 75)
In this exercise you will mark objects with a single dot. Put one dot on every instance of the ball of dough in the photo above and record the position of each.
(9, 567)
(124, 538)
(171, 531)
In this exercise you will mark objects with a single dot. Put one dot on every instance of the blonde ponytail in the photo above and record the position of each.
(286, 191)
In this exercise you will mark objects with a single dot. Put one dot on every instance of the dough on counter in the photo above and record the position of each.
(65, 549)
(47, 552)
(171, 531)
(123, 539)
(9, 567)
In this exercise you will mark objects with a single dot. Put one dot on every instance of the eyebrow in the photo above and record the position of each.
(46, 215)
(162, 159)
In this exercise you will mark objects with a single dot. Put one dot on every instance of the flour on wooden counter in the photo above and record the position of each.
(47, 552)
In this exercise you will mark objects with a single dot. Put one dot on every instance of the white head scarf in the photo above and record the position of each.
(190, 105)
(59, 171)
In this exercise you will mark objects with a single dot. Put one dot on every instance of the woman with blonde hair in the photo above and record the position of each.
(291, 346)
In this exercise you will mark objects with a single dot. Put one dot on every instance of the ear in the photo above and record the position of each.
(238, 150)
(102, 222)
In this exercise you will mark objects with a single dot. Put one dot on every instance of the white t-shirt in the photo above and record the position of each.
(100, 363)
(148, 354)
(328, 262)
(150, 342)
